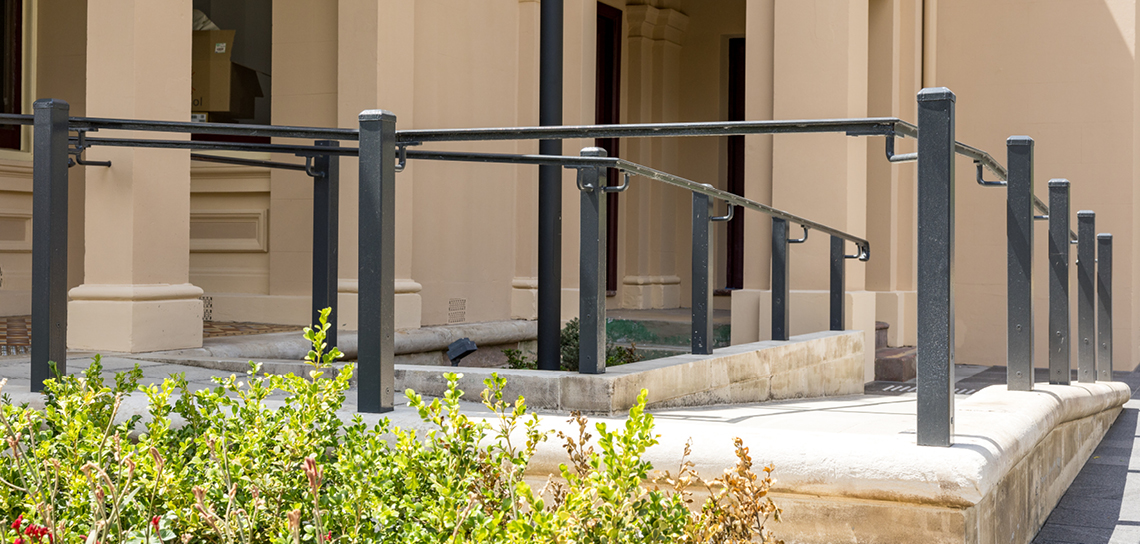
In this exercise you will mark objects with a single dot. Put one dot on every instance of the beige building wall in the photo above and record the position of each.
(1063, 73)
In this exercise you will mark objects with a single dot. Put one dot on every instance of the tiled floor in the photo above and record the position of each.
(15, 332)
(15, 335)
(211, 329)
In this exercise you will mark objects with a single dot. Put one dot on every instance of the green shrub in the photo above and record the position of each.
(242, 468)
(569, 339)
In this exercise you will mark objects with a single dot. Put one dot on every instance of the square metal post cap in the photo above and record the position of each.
(49, 103)
(1086, 214)
(377, 115)
(1059, 182)
(931, 94)
(1104, 236)
(1019, 140)
(593, 152)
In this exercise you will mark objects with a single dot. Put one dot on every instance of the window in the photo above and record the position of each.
(11, 68)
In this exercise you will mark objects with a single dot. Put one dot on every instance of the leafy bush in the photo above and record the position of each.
(569, 341)
(242, 468)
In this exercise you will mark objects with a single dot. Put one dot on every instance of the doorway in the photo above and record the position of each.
(734, 273)
(607, 96)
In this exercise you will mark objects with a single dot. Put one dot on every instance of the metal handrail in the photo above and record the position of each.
(884, 126)
(737, 200)
(855, 127)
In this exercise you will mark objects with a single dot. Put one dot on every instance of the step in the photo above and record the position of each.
(881, 328)
(895, 364)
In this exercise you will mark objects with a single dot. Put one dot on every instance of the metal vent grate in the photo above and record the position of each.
(456, 310)
(207, 307)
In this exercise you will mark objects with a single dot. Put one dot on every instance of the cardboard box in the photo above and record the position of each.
(224, 89)
(211, 69)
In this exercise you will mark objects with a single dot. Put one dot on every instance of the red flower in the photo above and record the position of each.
(328, 537)
(154, 521)
(19, 520)
(18, 541)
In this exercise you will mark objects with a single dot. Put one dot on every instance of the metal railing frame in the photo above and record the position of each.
(936, 146)
(383, 151)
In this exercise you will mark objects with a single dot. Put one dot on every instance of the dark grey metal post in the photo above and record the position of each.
(592, 268)
(377, 287)
(780, 288)
(936, 264)
(1104, 307)
(702, 278)
(1019, 264)
(550, 188)
(326, 235)
(49, 240)
(1086, 296)
(1060, 362)
(838, 284)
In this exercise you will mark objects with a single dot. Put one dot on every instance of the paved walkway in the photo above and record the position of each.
(1103, 504)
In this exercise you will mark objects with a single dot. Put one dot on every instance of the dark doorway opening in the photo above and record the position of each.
(11, 68)
(607, 96)
(734, 276)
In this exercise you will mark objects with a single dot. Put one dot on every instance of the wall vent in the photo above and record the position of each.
(207, 307)
(456, 310)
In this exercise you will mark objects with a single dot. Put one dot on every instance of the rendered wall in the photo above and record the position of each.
(466, 236)
(1062, 73)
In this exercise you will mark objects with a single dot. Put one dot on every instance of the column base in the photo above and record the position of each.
(409, 304)
(900, 309)
(134, 318)
(651, 292)
(524, 298)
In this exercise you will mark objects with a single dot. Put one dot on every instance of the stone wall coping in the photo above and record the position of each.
(995, 429)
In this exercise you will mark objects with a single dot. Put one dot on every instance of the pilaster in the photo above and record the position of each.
(655, 217)
(136, 294)
(375, 55)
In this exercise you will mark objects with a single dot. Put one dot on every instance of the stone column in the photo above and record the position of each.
(822, 176)
(376, 59)
(750, 305)
(655, 216)
(894, 71)
(304, 94)
(135, 294)
(524, 285)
